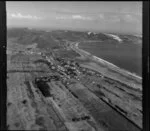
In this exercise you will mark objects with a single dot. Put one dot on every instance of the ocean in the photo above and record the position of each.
(126, 55)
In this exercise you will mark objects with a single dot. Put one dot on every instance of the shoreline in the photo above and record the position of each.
(107, 63)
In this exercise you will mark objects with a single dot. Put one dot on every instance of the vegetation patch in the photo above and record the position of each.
(43, 87)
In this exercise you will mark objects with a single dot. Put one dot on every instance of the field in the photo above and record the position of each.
(61, 89)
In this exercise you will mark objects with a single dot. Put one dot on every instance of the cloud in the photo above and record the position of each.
(115, 18)
(20, 16)
(109, 17)
(101, 16)
(130, 18)
(73, 17)
(79, 17)
(62, 17)
(118, 17)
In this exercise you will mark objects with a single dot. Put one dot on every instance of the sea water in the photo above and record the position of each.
(126, 55)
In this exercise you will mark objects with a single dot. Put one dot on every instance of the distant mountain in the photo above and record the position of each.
(27, 37)
(55, 38)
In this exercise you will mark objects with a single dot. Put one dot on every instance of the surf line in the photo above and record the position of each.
(106, 62)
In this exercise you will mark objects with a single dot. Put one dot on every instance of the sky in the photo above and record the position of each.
(120, 17)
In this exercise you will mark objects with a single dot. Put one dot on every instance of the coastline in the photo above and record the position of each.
(108, 63)
(107, 69)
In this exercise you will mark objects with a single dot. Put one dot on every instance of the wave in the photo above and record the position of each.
(115, 37)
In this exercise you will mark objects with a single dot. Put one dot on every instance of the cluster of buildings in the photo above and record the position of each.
(46, 79)
(66, 69)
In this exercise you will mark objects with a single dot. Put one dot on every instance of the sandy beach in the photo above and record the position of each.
(108, 69)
